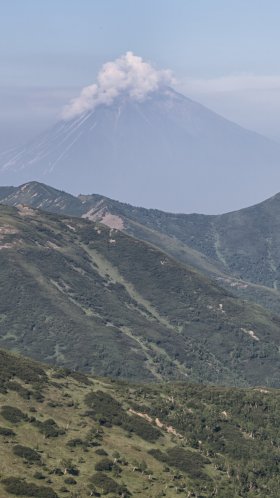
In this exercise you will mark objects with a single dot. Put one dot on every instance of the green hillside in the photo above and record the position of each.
(65, 434)
(84, 296)
(239, 250)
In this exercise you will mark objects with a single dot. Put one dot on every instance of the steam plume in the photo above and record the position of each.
(128, 74)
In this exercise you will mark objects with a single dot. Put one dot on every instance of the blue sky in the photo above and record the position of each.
(224, 54)
(195, 37)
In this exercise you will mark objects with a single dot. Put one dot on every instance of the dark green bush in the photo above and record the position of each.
(71, 468)
(73, 443)
(104, 406)
(80, 377)
(116, 454)
(104, 465)
(39, 476)
(141, 427)
(101, 452)
(12, 414)
(49, 428)
(38, 396)
(93, 437)
(19, 487)
(22, 391)
(5, 431)
(16, 366)
(190, 462)
(27, 453)
(107, 410)
(53, 404)
(70, 480)
(57, 471)
(108, 485)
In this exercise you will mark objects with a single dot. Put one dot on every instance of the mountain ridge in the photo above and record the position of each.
(205, 242)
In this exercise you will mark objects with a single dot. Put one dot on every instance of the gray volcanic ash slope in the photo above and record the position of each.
(161, 150)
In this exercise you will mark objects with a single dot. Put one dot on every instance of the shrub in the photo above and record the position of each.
(108, 485)
(39, 476)
(57, 471)
(104, 406)
(107, 410)
(185, 460)
(105, 464)
(70, 480)
(142, 428)
(27, 453)
(12, 414)
(93, 437)
(52, 404)
(38, 396)
(26, 370)
(80, 377)
(101, 452)
(49, 428)
(72, 443)
(5, 431)
(19, 487)
(115, 454)
(22, 391)
(70, 467)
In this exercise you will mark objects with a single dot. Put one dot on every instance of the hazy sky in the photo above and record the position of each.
(223, 54)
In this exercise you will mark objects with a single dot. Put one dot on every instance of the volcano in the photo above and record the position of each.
(160, 150)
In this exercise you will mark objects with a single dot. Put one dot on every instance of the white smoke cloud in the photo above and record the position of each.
(128, 74)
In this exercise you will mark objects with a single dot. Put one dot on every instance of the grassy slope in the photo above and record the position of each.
(86, 296)
(240, 249)
(221, 442)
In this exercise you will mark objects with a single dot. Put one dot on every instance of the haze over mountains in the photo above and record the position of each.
(132, 137)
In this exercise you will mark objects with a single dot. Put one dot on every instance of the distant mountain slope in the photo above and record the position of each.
(6, 191)
(192, 158)
(96, 296)
(43, 197)
(241, 250)
(63, 433)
